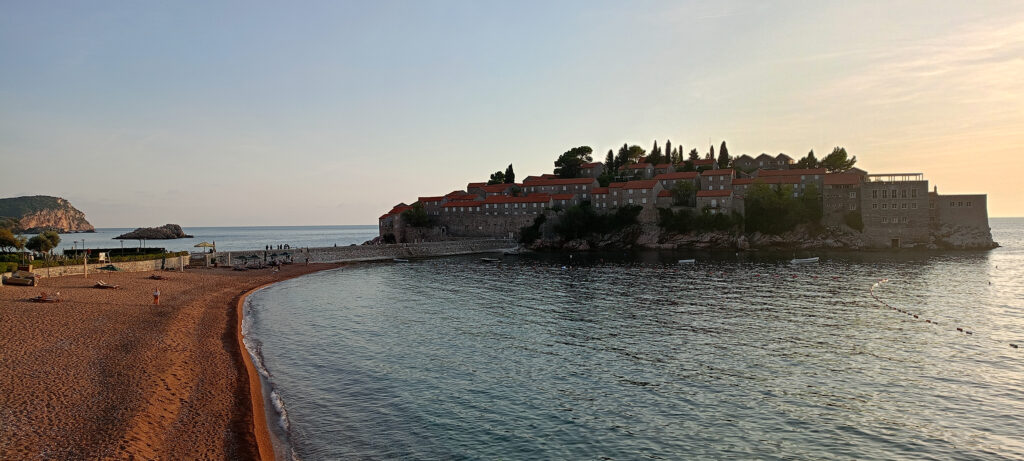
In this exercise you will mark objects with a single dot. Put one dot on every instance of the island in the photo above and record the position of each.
(40, 213)
(164, 232)
(668, 199)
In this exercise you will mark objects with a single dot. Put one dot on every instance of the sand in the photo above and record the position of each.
(105, 374)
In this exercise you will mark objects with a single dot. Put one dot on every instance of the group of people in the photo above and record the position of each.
(278, 247)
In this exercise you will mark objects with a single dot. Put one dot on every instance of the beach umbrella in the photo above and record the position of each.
(204, 245)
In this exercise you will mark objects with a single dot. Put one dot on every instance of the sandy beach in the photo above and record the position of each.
(105, 374)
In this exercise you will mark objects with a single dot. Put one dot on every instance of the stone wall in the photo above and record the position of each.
(377, 252)
(174, 262)
(895, 213)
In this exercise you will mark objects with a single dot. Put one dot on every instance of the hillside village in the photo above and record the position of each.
(883, 210)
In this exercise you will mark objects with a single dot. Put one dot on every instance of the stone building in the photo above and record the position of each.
(894, 209)
(841, 196)
(669, 180)
(637, 170)
(744, 163)
(642, 192)
(705, 164)
(716, 201)
(592, 170)
(580, 187)
(717, 179)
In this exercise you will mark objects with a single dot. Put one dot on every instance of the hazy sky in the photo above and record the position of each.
(302, 113)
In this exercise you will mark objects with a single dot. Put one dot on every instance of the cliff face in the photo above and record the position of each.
(41, 212)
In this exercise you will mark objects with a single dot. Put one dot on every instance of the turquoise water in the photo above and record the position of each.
(628, 356)
(232, 238)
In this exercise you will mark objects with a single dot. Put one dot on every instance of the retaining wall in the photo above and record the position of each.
(128, 266)
(375, 252)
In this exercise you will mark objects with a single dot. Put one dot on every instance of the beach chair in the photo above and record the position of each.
(44, 298)
(103, 285)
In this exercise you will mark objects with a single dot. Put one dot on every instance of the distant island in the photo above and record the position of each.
(39, 213)
(666, 198)
(164, 232)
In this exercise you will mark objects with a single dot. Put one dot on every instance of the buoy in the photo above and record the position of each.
(969, 332)
(1013, 346)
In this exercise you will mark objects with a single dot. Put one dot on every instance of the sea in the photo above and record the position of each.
(631, 355)
(229, 238)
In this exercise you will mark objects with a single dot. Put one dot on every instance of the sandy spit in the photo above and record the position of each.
(105, 374)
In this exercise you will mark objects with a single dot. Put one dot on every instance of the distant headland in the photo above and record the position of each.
(666, 198)
(38, 213)
(164, 232)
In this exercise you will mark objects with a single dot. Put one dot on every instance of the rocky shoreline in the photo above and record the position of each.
(650, 236)
(164, 232)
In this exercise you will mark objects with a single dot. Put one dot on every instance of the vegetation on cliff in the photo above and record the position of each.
(580, 221)
(774, 210)
(41, 212)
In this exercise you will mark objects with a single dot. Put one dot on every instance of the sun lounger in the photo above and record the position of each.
(100, 284)
(44, 298)
(156, 277)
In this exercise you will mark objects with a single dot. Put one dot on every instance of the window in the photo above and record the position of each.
(874, 194)
(968, 203)
(903, 206)
(885, 206)
(643, 200)
(903, 193)
(853, 195)
(906, 220)
(721, 187)
(630, 201)
(874, 206)
(885, 194)
(894, 193)
(913, 205)
(853, 206)
(885, 220)
(951, 204)
(631, 191)
(959, 203)
(893, 206)
(913, 193)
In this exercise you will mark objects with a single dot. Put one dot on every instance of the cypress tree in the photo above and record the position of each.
(723, 156)
(510, 176)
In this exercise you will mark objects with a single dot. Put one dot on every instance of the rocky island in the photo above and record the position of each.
(38, 213)
(164, 232)
(666, 199)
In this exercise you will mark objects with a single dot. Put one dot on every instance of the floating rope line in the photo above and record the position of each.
(916, 316)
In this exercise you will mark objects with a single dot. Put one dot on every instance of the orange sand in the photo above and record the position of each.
(105, 374)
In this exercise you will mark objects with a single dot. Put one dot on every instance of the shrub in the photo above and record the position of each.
(581, 220)
(530, 234)
(854, 220)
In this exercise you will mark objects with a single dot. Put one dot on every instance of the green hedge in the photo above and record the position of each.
(8, 267)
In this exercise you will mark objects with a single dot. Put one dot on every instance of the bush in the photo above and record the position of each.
(854, 220)
(774, 210)
(581, 220)
(530, 234)
(684, 221)
(8, 267)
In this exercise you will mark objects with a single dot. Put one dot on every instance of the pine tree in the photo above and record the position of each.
(609, 161)
(655, 155)
(669, 153)
(711, 153)
(510, 176)
(694, 155)
(723, 156)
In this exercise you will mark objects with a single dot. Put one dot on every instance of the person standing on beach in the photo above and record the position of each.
(156, 297)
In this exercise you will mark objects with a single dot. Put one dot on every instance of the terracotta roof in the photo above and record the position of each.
(616, 185)
(772, 180)
(562, 196)
(463, 203)
(663, 165)
(703, 161)
(561, 182)
(641, 184)
(714, 193)
(454, 193)
(797, 172)
(463, 197)
(429, 199)
(842, 178)
(636, 166)
(475, 184)
(599, 190)
(742, 181)
(665, 193)
(718, 172)
(677, 175)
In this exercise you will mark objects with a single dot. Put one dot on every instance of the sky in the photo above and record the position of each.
(315, 113)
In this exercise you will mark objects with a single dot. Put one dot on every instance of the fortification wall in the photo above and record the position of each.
(376, 252)
(479, 225)
(969, 210)
(175, 262)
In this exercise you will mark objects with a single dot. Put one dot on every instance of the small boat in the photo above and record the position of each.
(490, 260)
(400, 260)
(803, 260)
(686, 261)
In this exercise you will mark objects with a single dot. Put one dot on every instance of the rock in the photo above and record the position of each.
(165, 232)
(742, 243)
(39, 213)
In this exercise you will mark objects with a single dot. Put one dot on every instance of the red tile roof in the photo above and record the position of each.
(714, 193)
(475, 184)
(704, 161)
(429, 199)
(599, 190)
(497, 187)
(665, 193)
(797, 172)
(663, 165)
(532, 198)
(641, 184)
(454, 193)
(562, 196)
(677, 175)
(637, 166)
(616, 185)
(842, 178)
(768, 180)
(718, 172)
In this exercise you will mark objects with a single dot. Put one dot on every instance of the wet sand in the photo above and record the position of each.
(105, 374)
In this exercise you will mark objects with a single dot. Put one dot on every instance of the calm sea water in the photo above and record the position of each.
(232, 238)
(628, 356)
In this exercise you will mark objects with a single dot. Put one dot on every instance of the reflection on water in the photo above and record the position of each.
(631, 356)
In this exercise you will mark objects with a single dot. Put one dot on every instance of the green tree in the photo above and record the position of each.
(684, 193)
(43, 243)
(609, 161)
(568, 164)
(837, 161)
(655, 157)
(670, 155)
(498, 177)
(694, 155)
(711, 153)
(8, 241)
(723, 156)
(510, 175)
(809, 161)
(417, 216)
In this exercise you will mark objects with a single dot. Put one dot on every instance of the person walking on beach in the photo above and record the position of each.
(156, 297)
